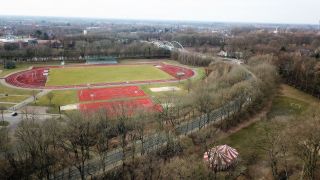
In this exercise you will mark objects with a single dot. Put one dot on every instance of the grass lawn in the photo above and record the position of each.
(123, 73)
(287, 103)
(281, 106)
(297, 94)
(200, 74)
(7, 106)
(14, 91)
(290, 102)
(13, 98)
(243, 140)
(60, 98)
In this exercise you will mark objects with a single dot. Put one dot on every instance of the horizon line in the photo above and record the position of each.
(161, 20)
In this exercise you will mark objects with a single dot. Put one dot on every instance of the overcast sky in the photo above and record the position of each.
(272, 11)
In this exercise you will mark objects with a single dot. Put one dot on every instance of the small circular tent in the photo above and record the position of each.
(221, 157)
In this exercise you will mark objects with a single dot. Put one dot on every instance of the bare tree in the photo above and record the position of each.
(2, 109)
(34, 95)
(37, 141)
(203, 100)
(4, 141)
(272, 144)
(50, 96)
(123, 125)
(79, 137)
(104, 126)
(307, 142)
(140, 122)
(189, 85)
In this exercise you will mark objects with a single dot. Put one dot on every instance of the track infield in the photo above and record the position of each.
(100, 74)
(93, 76)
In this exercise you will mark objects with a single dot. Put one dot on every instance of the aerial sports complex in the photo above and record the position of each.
(106, 86)
(97, 75)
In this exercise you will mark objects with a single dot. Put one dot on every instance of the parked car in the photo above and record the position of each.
(14, 113)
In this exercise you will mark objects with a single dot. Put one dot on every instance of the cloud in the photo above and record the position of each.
(278, 11)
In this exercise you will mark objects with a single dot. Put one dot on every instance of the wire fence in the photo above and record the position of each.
(114, 159)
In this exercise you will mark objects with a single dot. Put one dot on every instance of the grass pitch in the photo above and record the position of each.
(104, 74)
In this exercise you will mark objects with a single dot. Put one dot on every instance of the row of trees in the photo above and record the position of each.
(192, 58)
(302, 72)
(193, 39)
(296, 55)
(39, 149)
(299, 71)
(83, 48)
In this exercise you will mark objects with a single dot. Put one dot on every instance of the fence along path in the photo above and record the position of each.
(153, 142)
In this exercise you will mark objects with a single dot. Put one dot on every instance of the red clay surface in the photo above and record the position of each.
(129, 107)
(110, 93)
(35, 78)
(173, 70)
(28, 79)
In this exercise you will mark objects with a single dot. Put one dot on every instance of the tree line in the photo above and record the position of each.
(80, 49)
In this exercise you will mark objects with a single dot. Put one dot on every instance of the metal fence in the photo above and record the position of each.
(151, 143)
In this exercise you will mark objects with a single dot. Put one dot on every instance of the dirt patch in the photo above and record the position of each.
(165, 89)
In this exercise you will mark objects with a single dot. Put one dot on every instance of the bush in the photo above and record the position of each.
(10, 65)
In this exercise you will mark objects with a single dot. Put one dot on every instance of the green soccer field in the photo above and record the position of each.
(104, 74)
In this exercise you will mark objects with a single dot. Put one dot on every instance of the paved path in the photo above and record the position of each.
(29, 100)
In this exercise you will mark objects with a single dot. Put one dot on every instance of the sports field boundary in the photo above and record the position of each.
(20, 79)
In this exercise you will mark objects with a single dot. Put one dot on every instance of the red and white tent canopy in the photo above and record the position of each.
(221, 157)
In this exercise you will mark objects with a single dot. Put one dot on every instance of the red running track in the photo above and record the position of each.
(117, 107)
(35, 78)
(110, 93)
